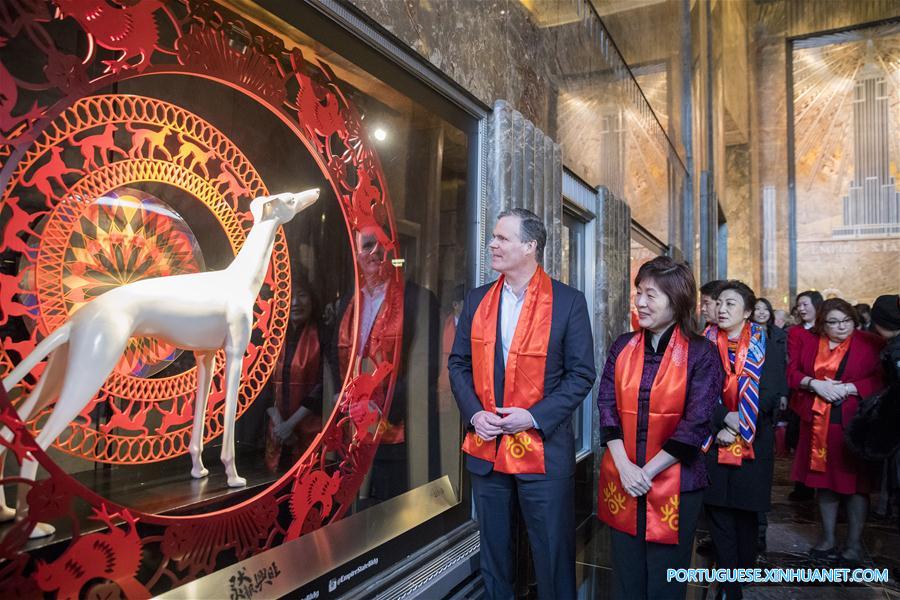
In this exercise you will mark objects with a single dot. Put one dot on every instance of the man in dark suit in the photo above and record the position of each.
(522, 361)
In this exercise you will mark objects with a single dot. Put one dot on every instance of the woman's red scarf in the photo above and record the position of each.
(304, 375)
(667, 396)
(526, 364)
(740, 392)
(380, 347)
(827, 363)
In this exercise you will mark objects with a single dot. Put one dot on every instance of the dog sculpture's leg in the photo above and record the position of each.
(235, 346)
(93, 353)
(206, 367)
(45, 391)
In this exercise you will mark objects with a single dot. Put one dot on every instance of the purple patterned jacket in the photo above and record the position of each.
(705, 380)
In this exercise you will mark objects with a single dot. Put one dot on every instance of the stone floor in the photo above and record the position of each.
(792, 530)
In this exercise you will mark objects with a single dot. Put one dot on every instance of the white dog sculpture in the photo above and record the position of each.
(200, 312)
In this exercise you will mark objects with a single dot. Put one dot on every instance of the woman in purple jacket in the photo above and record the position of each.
(657, 394)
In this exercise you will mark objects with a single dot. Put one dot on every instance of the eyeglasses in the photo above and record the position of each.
(834, 323)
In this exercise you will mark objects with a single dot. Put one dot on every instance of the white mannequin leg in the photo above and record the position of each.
(93, 367)
(45, 391)
(206, 367)
(235, 346)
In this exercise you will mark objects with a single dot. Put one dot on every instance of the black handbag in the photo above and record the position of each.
(874, 432)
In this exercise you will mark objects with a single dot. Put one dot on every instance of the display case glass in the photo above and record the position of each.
(131, 154)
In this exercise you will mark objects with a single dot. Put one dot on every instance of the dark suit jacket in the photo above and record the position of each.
(568, 377)
(749, 487)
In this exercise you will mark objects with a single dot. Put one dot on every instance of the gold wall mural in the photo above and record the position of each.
(847, 143)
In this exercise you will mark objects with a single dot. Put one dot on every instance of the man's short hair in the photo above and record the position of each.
(531, 230)
(711, 288)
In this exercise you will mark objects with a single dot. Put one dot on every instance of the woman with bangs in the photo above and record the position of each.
(741, 447)
(830, 371)
(657, 393)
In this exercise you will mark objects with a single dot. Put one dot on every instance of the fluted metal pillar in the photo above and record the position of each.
(524, 169)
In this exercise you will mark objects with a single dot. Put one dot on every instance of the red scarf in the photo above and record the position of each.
(304, 373)
(667, 396)
(739, 450)
(524, 379)
(380, 347)
(827, 363)
(302, 379)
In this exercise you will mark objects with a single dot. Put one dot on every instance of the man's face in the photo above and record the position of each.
(508, 251)
(369, 253)
(780, 318)
(708, 309)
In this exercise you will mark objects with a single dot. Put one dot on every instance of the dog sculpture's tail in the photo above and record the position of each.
(48, 344)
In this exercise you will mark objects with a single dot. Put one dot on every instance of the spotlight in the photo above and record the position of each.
(379, 134)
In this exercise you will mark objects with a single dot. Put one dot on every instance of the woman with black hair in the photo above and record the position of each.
(763, 313)
(295, 417)
(741, 448)
(656, 395)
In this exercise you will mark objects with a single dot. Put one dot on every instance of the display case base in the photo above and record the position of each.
(165, 488)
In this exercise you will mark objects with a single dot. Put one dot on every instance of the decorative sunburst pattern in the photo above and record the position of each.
(846, 100)
(125, 236)
(825, 80)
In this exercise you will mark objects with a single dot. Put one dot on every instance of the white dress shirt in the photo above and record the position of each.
(510, 309)
(371, 304)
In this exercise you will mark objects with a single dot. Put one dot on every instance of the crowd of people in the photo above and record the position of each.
(836, 375)
(827, 372)
(688, 411)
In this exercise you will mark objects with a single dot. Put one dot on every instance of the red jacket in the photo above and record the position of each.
(863, 369)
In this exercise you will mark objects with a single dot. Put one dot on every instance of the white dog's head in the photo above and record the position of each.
(282, 207)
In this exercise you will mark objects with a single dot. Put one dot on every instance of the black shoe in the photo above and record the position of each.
(705, 545)
(829, 554)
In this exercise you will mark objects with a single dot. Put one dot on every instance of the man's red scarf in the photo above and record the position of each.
(827, 363)
(379, 347)
(667, 396)
(526, 363)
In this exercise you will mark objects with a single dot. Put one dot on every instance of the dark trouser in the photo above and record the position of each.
(639, 566)
(763, 525)
(792, 434)
(735, 534)
(389, 473)
(548, 509)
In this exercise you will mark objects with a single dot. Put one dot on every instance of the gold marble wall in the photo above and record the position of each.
(637, 130)
(553, 61)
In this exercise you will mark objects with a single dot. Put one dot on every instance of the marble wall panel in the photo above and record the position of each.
(555, 63)
(858, 270)
(524, 169)
(741, 212)
(612, 289)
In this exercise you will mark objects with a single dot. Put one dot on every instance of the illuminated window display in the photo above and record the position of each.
(129, 155)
